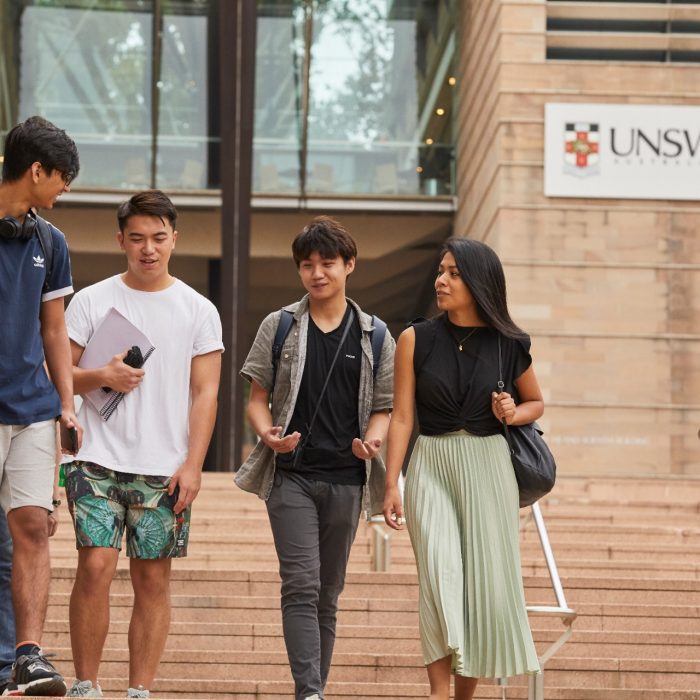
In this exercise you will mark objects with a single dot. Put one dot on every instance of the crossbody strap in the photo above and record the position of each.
(346, 330)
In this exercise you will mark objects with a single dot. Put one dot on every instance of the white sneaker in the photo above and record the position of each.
(315, 696)
(139, 692)
(84, 689)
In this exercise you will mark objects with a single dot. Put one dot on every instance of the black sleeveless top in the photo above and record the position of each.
(453, 387)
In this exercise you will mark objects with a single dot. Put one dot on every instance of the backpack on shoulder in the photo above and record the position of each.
(43, 232)
(285, 325)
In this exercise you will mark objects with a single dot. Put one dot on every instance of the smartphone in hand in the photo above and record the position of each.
(69, 440)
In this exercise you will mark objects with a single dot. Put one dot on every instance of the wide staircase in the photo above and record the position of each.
(628, 552)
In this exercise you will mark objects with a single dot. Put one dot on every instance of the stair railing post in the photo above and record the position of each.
(535, 686)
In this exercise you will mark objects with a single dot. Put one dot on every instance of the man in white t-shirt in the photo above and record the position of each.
(139, 470)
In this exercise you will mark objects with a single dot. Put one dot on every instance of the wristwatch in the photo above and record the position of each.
(56, 502)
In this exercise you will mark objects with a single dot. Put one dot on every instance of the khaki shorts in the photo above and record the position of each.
(27, 465)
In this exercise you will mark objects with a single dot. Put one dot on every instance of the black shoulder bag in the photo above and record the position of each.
(535, 469)
(299, 449)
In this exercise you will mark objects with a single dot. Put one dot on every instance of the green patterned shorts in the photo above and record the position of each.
(103, 502)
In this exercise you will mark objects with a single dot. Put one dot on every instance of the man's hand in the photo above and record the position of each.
(393, 508)
(68, 419)
(121, 377)
(272, 439)
(189, 479)
(366, 449)
(53, 521)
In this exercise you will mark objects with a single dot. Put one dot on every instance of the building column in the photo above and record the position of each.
(237, 76)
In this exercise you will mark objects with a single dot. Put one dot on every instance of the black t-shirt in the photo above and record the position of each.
(328, 453)
(453, 387)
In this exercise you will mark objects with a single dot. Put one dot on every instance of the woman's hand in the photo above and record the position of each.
(503, 406)
(393, 508)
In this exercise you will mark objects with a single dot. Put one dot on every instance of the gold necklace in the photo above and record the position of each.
(461, 342)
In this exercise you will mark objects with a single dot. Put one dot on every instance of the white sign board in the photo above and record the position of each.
(622, 151)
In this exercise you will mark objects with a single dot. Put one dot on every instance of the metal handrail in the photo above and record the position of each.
(382, 562)
(568, 615)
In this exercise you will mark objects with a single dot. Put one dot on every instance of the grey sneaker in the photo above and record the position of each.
(139, 692)
(84, 689)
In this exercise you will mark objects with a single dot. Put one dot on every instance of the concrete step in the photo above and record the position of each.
(627, 552)
(563, 670)
(245, 555)
(404, 640)
(369, 588)
(622, 618)
(179, 689)
(257, 531)
(405, 586)
(237, 526)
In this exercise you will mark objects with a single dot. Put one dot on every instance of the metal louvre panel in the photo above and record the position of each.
(623, 31)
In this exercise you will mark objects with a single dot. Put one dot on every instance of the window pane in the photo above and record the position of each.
(89, 71)
(278, 96)
(183, 142)
(377, 100)
(373, 126)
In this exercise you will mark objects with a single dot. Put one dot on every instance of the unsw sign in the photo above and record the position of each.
(622, 151)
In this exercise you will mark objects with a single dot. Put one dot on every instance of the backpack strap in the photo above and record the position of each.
(283, 328)
(377, 337)
(46, 241)
(285, 325)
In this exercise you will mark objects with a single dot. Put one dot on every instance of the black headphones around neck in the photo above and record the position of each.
(11, 228)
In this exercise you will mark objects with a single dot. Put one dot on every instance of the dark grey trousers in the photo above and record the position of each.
(313, 524)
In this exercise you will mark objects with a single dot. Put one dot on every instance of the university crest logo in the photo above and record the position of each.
(581, 149)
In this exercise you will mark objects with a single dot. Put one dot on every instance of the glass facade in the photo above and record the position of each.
(128, 80)
(353, 97)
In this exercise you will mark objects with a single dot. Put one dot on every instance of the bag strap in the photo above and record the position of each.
(501, 386)
(346, 330)
(377, 342)
(46, 242)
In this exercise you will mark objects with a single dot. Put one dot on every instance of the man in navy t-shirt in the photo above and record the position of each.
(40, 162)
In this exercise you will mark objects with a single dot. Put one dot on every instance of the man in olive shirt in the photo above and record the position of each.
(317, 463)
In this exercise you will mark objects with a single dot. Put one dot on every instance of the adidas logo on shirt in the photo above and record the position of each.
(38, 261)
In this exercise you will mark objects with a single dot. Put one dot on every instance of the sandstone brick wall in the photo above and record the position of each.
(609, 289)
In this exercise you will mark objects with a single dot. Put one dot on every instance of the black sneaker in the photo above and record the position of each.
(34, 675)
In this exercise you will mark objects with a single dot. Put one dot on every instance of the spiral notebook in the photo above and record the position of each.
(114, 334)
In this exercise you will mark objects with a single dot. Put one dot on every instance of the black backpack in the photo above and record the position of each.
(285, 324)
(43, 232)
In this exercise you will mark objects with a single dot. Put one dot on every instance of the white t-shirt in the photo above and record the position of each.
(148, 431)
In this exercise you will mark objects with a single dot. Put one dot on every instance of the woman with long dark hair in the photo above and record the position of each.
(461, 496)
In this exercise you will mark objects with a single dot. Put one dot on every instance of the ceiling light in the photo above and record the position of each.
(439, 111)
(429, 141)
(452, 80)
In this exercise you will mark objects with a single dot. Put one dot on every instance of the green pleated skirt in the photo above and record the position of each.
(461, 503)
